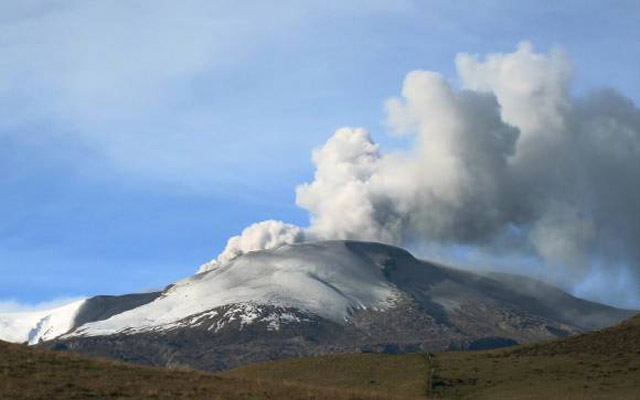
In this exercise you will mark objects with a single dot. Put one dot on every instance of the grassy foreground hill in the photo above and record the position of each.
(30, 373)
(597, 365)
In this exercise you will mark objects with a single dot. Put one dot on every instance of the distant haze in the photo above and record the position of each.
(505, 161)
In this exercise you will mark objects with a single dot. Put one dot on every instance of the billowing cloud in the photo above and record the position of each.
(260, 236)
(447, 187)
(511, 161)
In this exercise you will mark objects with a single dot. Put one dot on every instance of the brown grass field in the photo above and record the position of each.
(28, 373)
(598, 365)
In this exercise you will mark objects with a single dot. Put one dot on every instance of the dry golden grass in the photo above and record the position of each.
(385, 373)
(28, 373)
(498, 375)
(599, 365)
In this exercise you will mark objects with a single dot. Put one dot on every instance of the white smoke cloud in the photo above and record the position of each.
(577, 164)
(509, 161)
(449, 186)
(260, 236)
(531, 88)
(340, 198)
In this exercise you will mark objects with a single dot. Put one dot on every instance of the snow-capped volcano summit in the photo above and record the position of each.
(328, 279)
(320, 297)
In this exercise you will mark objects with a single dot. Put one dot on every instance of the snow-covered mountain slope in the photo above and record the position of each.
(40, 325)
(334, 280)
(328, 279)
(326, 297)
(313, 298)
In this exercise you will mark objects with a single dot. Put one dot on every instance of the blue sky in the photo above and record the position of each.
(136, 137)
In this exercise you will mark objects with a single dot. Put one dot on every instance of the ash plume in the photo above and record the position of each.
(510, 161)
(259, 236)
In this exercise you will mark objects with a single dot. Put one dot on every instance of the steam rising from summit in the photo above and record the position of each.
(510, 161)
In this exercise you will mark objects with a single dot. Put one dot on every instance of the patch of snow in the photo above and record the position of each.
(200, 319)
(35, 326)
(247, 313)
(276, 319)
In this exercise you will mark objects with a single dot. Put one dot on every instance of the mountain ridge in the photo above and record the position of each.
(322, 298)
(333, 279)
